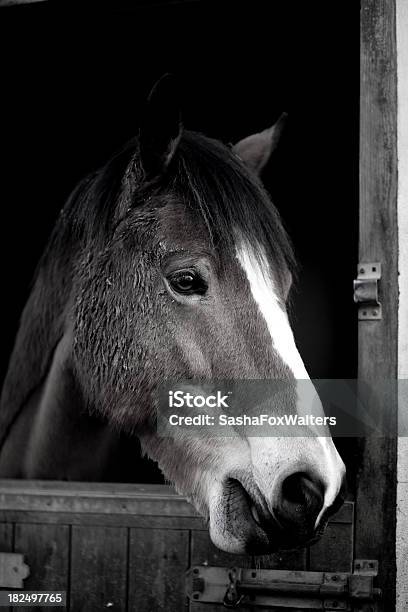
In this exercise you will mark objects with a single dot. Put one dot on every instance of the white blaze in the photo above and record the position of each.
(265, 295)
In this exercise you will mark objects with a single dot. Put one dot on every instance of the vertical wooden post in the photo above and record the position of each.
(376, 493)
(402, 490)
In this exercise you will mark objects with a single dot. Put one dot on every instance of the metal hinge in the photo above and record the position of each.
(237, 587)
(366, 290)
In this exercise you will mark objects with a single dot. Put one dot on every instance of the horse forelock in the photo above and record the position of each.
(205, 175)
(230, 200)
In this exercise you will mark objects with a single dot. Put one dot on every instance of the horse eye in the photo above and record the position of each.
(187, 282)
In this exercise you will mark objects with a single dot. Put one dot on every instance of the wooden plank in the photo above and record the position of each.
(402, 491)
(344, 515)
(402, 591)
(376, 491)
(6, 543)
(87, 489)
(101, 498)
(334, 552)
(6, 537)
(285, 559)
(203, 552)
(46, 551)
(98, 568)
(202, 607)
(158, 561)
(119, 520)
(151, 500)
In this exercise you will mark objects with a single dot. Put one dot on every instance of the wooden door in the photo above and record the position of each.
(128, 547)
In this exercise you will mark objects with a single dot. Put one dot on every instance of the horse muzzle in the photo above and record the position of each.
(242, 521)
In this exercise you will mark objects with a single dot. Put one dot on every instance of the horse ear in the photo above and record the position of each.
(161, 126)
(255, 150)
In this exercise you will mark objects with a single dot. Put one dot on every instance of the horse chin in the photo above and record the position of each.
(233, 525)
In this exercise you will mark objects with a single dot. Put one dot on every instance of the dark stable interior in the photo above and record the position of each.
(74, 81)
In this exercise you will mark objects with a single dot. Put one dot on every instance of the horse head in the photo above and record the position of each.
(193, 285)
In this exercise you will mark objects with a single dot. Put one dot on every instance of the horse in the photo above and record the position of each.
(169, 263)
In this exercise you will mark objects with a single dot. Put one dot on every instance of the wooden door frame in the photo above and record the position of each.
(402, 472)
(378, 241)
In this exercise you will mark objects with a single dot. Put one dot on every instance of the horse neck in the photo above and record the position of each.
(41, 327)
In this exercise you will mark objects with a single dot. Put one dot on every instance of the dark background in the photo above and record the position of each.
(73, 80)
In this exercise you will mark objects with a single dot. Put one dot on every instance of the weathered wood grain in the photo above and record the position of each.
(102, 498)
(158, 561)
(6, 543)
(203, 552)
(145, 571)
(334, 552)
(46, 550)
(402, 492)
(376, 492)
(402, 592)
(78, 518)
(98, 498)
(286, 559)
(98, 568)
(6, 537)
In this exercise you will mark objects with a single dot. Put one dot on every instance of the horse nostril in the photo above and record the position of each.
(301, 493)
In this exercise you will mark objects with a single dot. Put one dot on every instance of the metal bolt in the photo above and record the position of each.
(196, 570)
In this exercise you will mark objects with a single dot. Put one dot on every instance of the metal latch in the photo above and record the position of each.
(13, 570)
(366, 290)
(237, 587)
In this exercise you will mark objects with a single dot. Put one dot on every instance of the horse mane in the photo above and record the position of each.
(206, 174)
